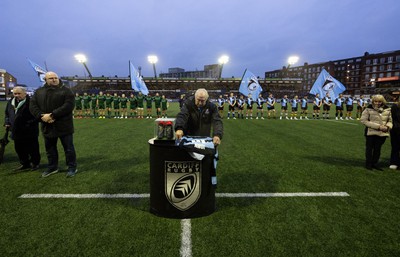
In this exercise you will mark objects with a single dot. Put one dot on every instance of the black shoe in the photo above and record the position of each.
(35, 167)
(71, 172)
(49, 172)
(22, 167)
(377, 168)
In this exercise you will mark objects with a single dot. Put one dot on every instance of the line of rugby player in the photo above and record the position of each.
(242, 108)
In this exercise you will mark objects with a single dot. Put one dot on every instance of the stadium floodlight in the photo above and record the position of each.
(82, 59)
(292, 60)
(222, 60)
(153, 60)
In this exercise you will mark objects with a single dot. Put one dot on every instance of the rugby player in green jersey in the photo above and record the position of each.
(109, 100)
(93, 105)
(132, 106)
(157, 104)
(86, 104)
(101, 100)
(149, 106)
(116, 106)
(78, 106)
(164, 106)
(140, 105)
(124, 103)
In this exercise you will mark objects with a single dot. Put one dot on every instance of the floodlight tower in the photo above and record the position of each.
(291, 61)
(222, 60)
(153, 60)
(82, 59)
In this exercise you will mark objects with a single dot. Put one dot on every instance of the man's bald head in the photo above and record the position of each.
(51, 78)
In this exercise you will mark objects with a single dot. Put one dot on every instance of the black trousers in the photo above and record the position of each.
(373, 149)
(52, 152)
(27, 151)
(395, 142)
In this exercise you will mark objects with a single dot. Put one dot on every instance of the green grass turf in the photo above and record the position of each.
(256, 156)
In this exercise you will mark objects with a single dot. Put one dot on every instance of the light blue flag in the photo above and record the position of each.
(325, 83)
(250, 85)
(39, 70)
(137, 81)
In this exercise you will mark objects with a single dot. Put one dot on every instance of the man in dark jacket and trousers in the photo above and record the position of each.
(53, 104)
(197, 116)
(24, 129)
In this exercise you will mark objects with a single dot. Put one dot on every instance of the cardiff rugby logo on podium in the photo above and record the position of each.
(182, 183)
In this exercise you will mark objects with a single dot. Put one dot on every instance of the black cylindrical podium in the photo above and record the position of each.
(180, 186)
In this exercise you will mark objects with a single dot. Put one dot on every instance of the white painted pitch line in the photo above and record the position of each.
(186, 226)
(343, 122)
(264, 195)
(230, 195)
(186, 238)
(84, 196)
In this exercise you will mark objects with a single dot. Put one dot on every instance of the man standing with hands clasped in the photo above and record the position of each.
(197, 116)
(53, 104)
(24, 130)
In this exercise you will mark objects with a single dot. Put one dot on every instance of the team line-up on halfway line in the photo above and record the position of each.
(121, 106)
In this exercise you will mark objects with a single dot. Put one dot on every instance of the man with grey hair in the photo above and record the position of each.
(197, 116)
(24, 129)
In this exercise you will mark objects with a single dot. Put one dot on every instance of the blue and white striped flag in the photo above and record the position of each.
(137, 81)
(325, 83)
(250, 85)
(39, 70)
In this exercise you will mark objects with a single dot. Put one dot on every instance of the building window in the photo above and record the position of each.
(383, 60)
(389, 74)
(374, 69)
(389, 67)
(390, 59)
(398, 58)
(382, 68)
(375, 61)
(381, 75)
(397, 73)
(368, 62)
(366, 77)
